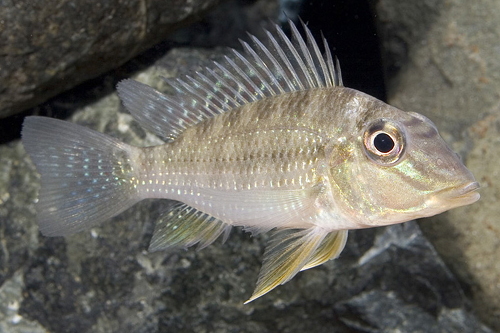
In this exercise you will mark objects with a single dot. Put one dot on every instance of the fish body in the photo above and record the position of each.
(269, 141)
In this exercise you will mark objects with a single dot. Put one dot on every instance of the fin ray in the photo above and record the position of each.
(312, 74)
(286, 254)
(237, 91)
(298, 66)
(155, 111)
(85, 175)
(276, 66)
(184, 226)
(330, 248)
(319, 63)
(268, 63)
(245, 70)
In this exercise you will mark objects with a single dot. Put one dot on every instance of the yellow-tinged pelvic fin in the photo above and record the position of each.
(329, 249)
(184, 226)
(290, 250)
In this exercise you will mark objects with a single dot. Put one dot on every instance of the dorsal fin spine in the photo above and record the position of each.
(279, 72)
(277, 66)
(240, 87)
(293, 83)
(263, 68)
(317, 55)
(250, 97)
(175, 107)
(202, 93)
(253, 71)
(230, 101)
(329, 63)
(200, 101)
(308, 79)
(208, 87)
(339, 73)
(296, 57)
(313, 74)
(211, 88)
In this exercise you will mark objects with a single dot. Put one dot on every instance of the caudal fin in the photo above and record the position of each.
(85, 175)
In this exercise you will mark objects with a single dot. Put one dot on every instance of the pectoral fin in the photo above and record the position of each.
(184, 226)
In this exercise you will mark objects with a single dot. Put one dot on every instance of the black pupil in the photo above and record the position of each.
(383, 143)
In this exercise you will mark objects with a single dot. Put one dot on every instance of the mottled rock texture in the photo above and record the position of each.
(50, 46)
(442, 60)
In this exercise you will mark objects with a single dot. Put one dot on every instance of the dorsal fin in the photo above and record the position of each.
(277, 66)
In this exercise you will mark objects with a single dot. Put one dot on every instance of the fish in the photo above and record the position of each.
(268, 139)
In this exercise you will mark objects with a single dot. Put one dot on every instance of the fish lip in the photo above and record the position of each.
(465, 194)
(468, 188)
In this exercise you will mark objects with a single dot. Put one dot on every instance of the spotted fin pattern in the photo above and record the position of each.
(85, 175)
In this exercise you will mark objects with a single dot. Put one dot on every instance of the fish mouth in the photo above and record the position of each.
(461, 195)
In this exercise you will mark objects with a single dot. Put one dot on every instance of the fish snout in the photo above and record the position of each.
(460, 195)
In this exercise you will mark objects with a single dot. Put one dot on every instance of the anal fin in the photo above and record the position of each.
(184, 226)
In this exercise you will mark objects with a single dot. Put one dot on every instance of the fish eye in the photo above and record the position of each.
(384, 142)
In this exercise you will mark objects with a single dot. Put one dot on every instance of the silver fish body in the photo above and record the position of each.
(268, 141)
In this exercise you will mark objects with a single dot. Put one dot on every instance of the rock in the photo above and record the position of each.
(442, 61)
(469, 239)
(51, 47)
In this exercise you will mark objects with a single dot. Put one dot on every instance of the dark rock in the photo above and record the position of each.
(442, 61)
(52, 46)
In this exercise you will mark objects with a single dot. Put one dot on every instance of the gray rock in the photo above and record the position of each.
(442, 61)
(52, 46)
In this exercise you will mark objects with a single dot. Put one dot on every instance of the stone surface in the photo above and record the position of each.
(442, 61)
(103, 280)
(51, 46)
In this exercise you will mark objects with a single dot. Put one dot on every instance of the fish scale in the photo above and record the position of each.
(237, 161)
(269, 140)
(250, 153)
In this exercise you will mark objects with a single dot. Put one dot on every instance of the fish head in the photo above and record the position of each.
(399, 168)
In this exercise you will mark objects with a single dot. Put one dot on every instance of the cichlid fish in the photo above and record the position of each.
(269, 140)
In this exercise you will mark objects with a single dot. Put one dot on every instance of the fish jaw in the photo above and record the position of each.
(456, 196)
(445, 199)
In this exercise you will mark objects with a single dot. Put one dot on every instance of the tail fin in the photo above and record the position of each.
(85, 175)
